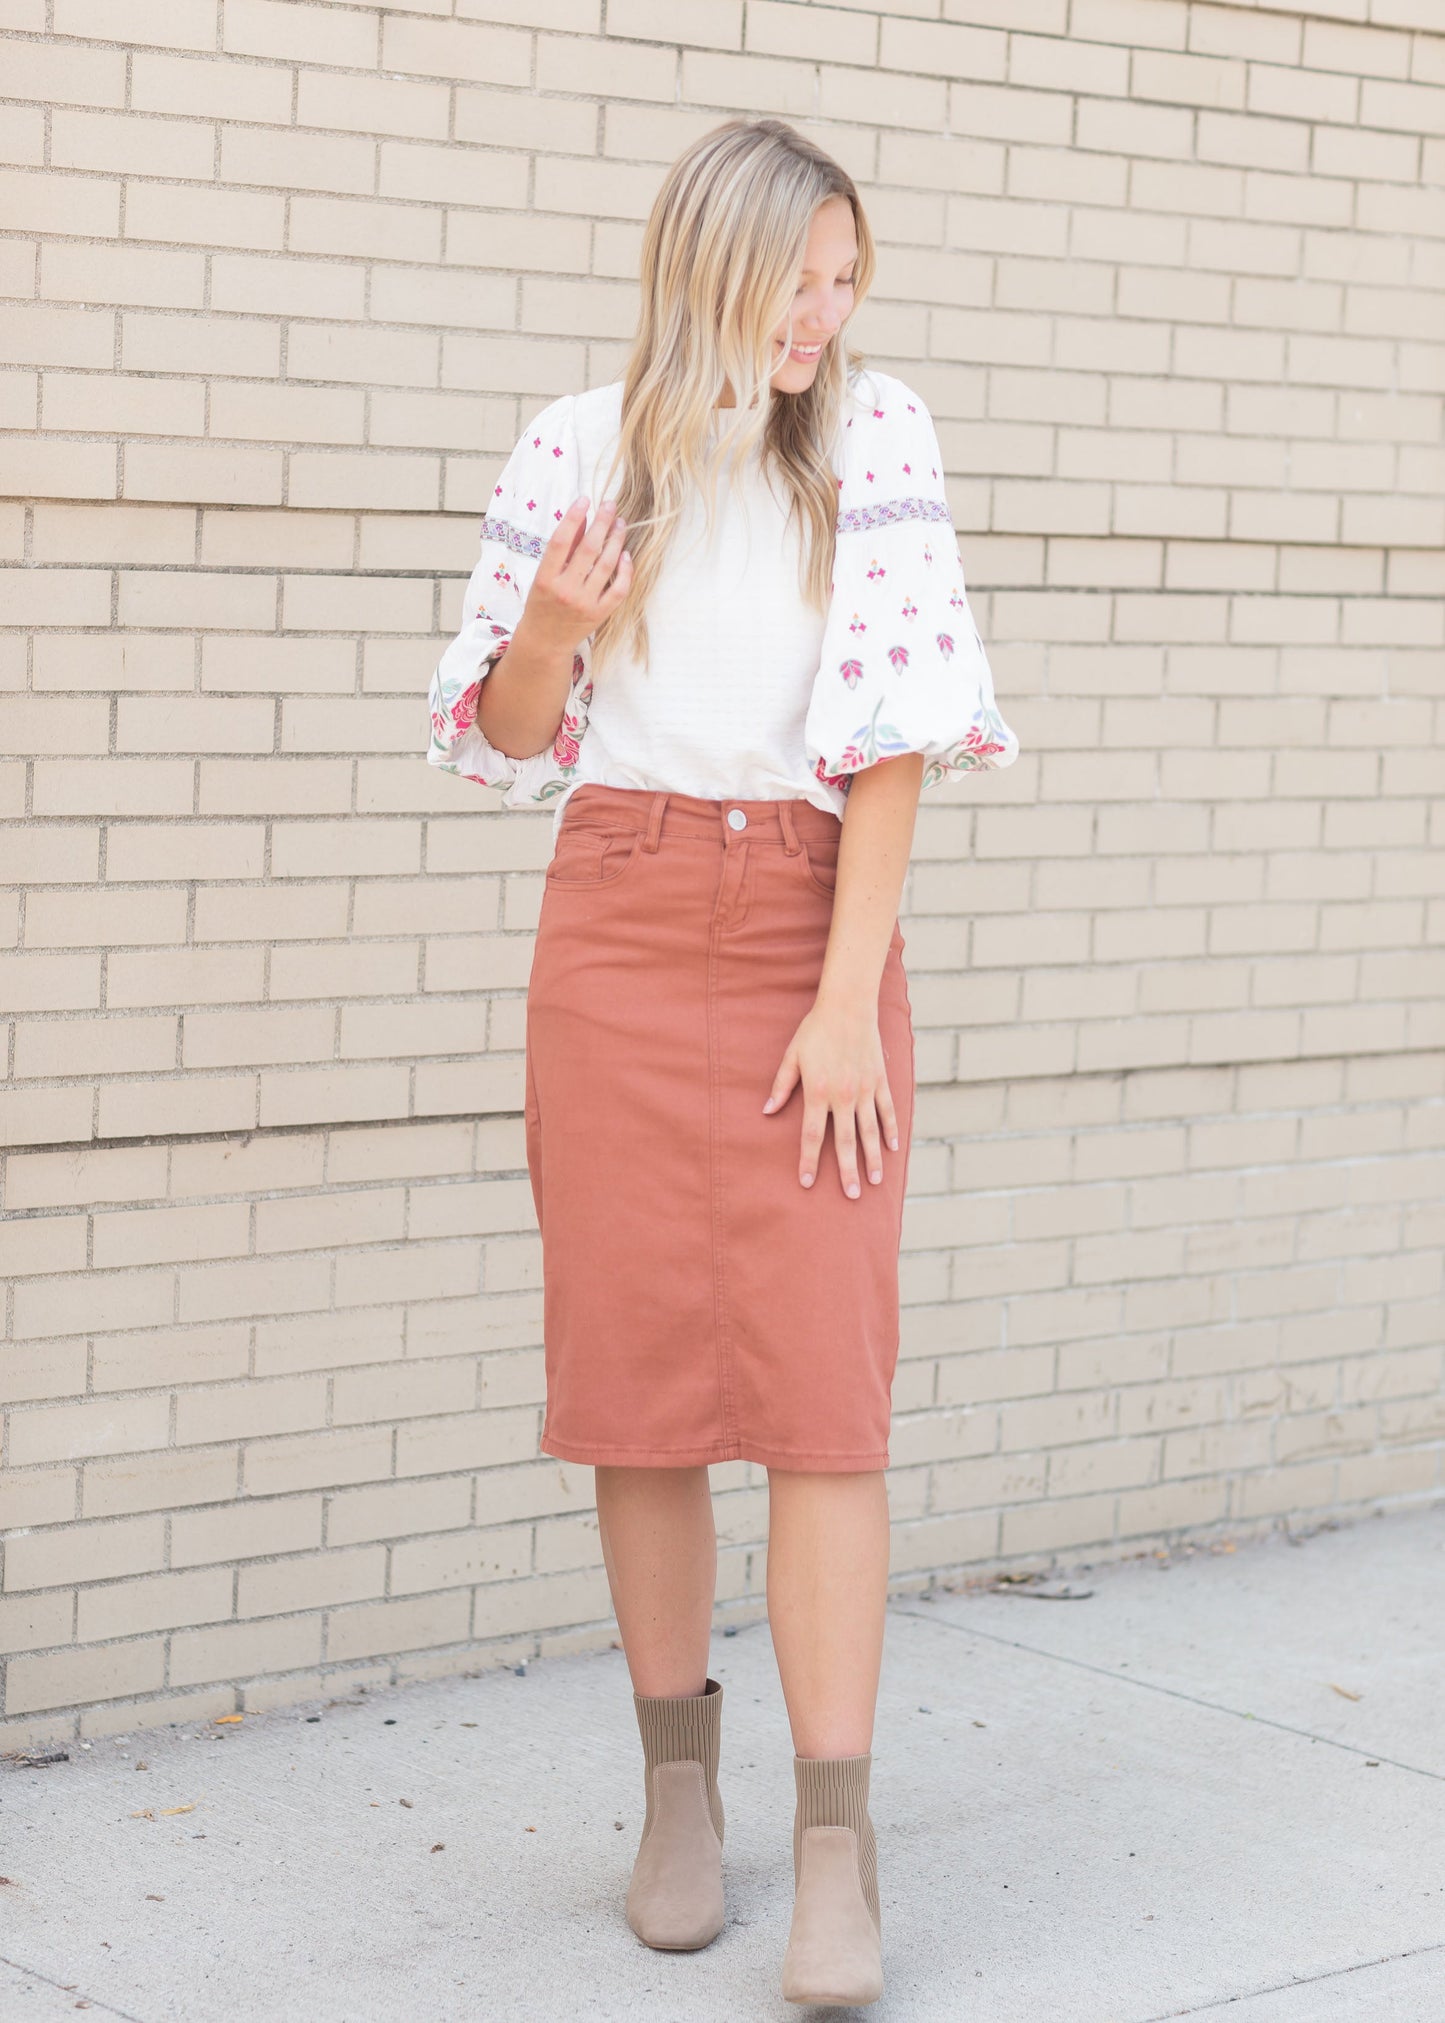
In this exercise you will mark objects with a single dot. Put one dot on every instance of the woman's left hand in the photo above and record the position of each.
(837, 1055)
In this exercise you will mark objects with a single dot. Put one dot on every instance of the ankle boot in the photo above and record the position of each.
(835, 1948)
(675, 1899)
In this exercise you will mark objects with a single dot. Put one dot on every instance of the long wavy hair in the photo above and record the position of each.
(720, 262)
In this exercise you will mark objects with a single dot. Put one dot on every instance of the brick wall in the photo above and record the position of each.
(279, 285)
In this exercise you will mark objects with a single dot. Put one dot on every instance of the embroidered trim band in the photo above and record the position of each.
(889, 511)
(516, 538)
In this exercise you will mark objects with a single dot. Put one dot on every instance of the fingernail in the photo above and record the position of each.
(769, 1104)
(807, 1179)
(876, 1174)
(853, 1190)
(893, 1144)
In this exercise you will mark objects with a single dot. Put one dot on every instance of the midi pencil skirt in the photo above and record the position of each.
(699, 1303)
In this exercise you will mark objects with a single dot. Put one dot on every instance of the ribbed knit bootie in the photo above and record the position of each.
(675, 1899)
(835, 1947)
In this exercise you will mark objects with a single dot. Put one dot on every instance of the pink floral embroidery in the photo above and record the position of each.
(945, 645)
(910, 609)
(855, 624)
(899, 656)
(464, 709)
(875, 570)
(852, 672)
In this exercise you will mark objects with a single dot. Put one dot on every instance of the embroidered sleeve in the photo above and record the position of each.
(903, 668)
(536, 488)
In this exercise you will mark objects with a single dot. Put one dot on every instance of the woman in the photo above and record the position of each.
(734, 677)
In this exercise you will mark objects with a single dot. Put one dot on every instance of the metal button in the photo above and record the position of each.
(737, 819)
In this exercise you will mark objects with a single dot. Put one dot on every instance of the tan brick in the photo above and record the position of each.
(106, 1046)
(165, 1601)
(256, 1286)
(315, 1581)
(289, 29)
(775, 29)
(364, 229)
(31, 1245)
(219, 90)
(525, 120)
(123, 143)
(244, 1650)
(236, 1039)
(64, 533)
(399, 1626)
(204, 216)
(184, 977)
(285, 287)
(104, 919)
(452, 175)
(55, 596)
(143, 1109)
(70, 1433)
(70, 1678)
(259, 1527)
(125, 274)
(34, 333)
(171, 1235)
(58, 470)
(202, 475)
(454, 50)
(41, 1370)
(30, 1622)
(371, 105)
(169, 1356)
(61, 75)
(607, 69)
(307, 414)
(49, 982)
(332, 1095)
(45, 1117)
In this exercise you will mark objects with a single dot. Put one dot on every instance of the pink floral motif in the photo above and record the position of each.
(869, 476)
(877, 414)
(852, 672)
(945, 645)
(464, 709)
(531, 505)
(910, 609)
(908, 470)
(566, 746)
(536, 442)
(875, 570)
(899, 656)
(558, 451)
(855, 624)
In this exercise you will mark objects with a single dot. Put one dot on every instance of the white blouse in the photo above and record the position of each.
(748, 692)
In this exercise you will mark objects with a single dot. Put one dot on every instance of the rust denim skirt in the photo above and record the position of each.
(699, 1303)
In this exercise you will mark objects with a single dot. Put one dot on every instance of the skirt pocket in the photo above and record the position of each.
(587, 857)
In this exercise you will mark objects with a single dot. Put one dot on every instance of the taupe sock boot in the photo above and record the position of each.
(675, 1899)
(835, 1947)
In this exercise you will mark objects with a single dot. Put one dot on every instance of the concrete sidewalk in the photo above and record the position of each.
(1159, 1799)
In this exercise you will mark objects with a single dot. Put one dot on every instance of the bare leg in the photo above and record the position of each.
(827, 1590)
(659, 1544)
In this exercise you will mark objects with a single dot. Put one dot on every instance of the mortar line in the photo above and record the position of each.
(1173, 1693)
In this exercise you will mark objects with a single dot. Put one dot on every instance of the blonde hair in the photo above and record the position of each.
(720, 261)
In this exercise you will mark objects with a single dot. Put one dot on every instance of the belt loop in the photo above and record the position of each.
(654, 821)
(791, 842)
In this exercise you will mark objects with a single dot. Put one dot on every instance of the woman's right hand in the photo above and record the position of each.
(584, 574)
